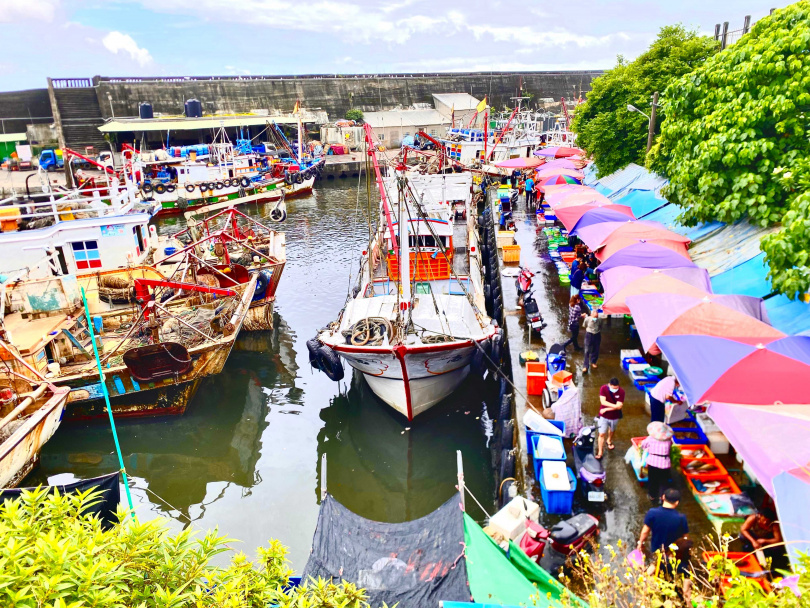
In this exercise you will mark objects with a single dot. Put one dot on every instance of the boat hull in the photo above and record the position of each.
(20, 452)
(411, 379)
(171, 400)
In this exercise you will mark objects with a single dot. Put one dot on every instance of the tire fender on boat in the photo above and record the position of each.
(244, 182)
(329, 363)
(313, 345)
(507, 464)
(507, 433)
(263, 279)
(160, 188)
(189, 187)
(146, 187)
(219, 185)
(171, 188)
(299, 179)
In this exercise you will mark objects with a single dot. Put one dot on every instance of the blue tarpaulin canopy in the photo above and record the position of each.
(668, 214)
(641, 202)
(789, 316)
(748, 279)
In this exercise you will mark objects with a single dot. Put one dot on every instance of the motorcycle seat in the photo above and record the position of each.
(591, 464)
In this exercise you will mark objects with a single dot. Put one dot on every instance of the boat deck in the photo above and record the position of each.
(461, 261)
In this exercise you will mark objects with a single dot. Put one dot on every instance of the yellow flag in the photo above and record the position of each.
(481, 106)
(297, 107)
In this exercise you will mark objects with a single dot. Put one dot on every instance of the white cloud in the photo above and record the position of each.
(14, 11)
(116, 42)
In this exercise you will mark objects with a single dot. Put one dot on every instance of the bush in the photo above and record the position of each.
(355, 115)
(51, 556)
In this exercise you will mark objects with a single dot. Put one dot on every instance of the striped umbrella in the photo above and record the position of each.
(554, 180)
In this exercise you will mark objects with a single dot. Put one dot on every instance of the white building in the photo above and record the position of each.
(393, 125)
(460, 105)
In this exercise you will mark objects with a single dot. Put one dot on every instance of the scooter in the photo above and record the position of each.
(567, 537)
(532, 312)
(590, 470)
(523, 282)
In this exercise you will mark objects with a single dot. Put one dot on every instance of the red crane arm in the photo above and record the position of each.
(142, 288)
(92, 161)
(383, 196)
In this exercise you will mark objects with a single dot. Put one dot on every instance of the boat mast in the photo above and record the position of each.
(404, 251)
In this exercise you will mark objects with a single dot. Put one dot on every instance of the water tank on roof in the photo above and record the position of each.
(193, 108)
(145, 110)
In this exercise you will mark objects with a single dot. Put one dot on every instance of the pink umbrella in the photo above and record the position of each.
(616, 278)
(667, 314)
(558, 151)
(558, 163)
(581, 198)
(544, 171)
(656, 282)
(520, 163)
(570, 215)
(616, 242)
(595, 234)
(560, 192)
(648, 255)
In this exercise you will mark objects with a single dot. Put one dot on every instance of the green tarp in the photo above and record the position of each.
(513, 580)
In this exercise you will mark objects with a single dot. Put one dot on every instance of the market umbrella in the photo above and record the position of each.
(616, 278)
(746, 371)
(624, 238)
(615, 300)
(570, 215)
(730, 316)
(646, 255)
(559, 192)
(660, 431)
(791, 492)
(559, 163)
(520, 163)
(544, 171)
(558, 151)
(580, 197)
(599, 215)
(554, 180)
(596, 234)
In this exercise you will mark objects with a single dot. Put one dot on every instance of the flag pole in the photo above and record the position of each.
(107, 401)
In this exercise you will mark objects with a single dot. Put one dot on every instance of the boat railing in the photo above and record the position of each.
(60, 206)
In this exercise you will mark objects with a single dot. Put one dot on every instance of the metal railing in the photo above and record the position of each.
(71, 83)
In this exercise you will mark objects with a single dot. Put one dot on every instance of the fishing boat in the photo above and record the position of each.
(87, 229)
(30, 412)
(184, 177)
(154, 350)
(227, 239)
(414, 340)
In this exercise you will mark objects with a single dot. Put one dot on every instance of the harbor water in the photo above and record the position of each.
(245, 456)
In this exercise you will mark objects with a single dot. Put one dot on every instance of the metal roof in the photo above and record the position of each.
(404, 118)
(12, 137)
(459, 101)
(181, 123)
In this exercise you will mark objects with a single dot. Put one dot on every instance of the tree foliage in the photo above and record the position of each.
(604, 127)
(51, 556)
(735, 141)
(354, 114)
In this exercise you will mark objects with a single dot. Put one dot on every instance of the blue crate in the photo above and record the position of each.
(701, 436)
(538, 462)
(642, 385)
(559, 502)
(628, 361)
(530, 433)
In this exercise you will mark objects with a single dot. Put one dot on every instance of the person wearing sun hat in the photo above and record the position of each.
(658, 445)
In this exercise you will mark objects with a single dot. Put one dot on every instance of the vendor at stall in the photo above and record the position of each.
(660, 394)
(761, 530)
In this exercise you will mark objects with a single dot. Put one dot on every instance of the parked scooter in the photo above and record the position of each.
(590, 470)
(523, 282)
(532, 312)
(566, 537)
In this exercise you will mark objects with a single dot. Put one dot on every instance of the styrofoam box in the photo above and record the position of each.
(707, 424)
(637, 367)
(555, 476)
(718, 443)
(627, 353)
(511, 520)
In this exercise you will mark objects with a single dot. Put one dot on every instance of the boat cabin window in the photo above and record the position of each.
(86, 254)
(425, 241)
(138, 232)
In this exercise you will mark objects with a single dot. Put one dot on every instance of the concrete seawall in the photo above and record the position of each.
(334, 94)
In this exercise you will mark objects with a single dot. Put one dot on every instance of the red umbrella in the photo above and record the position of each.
(655, 282)
(591, 197)
(558, 151)
(520, 163)
(615, 243)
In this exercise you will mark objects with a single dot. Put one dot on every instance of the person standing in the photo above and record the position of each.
(592, 325)
(659, 446)
(659, 395)
(514, 179)
(611, 401)
(665, 527)
(529, 191)
(574, 316)
(577, 276)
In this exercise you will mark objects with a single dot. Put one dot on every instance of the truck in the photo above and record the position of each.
(51, 160)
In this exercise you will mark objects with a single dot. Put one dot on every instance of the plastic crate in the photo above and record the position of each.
(535, 377)
(727, 486)
(746, 562)
(559, 502)
(719, 471)
(511, 254)
(562, 377)
(700, 437)
(505, 237)
(530, 433)
(688, 451)
(628, 361)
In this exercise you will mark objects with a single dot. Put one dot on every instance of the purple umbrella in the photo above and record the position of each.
(558, 163)
(646, 255)
(598, 215)
(595, 234)
(616, 278)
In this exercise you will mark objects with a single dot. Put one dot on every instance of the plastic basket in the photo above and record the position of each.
(511, 254)
(719, 471)
(556, 501)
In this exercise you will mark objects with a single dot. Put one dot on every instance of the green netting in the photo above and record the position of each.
(515, 580)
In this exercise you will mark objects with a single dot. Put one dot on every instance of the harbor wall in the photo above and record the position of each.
(21, 108)
(335, 94)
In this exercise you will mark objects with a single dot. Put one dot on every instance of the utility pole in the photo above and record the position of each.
(651, 130)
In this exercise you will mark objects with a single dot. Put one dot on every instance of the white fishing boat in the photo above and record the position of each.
(415, 340)
(83, 230)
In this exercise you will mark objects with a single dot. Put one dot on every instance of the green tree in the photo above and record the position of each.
(354, 114)
(52, 556)
(604, 127)
(735, 141)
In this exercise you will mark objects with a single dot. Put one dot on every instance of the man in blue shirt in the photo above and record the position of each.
(529, 184)
(577, 276)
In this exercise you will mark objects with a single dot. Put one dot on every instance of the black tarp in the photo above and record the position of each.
(416, 563)
(106, 507)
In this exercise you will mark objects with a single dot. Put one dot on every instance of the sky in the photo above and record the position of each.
(83, 38)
